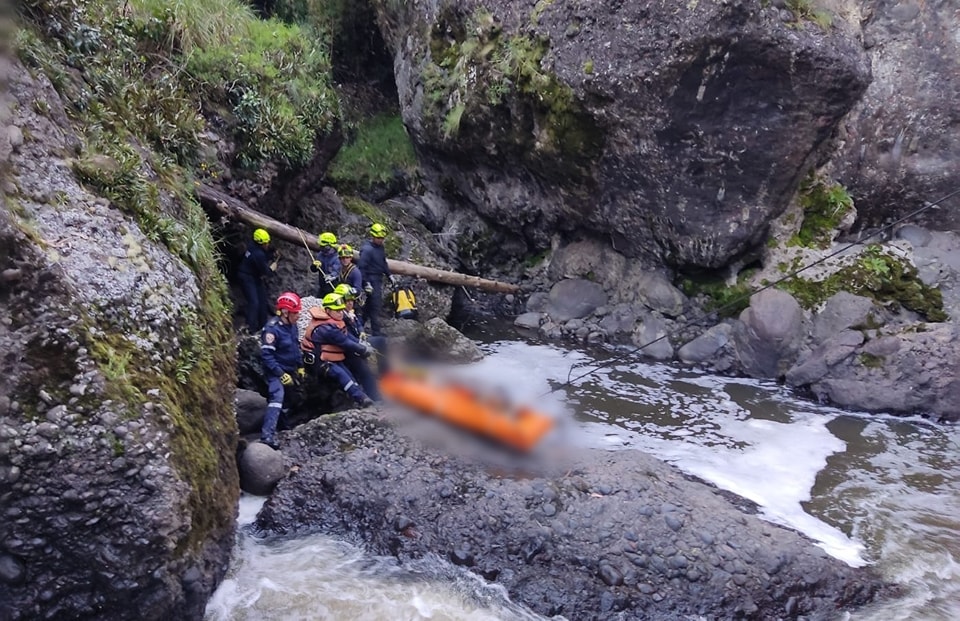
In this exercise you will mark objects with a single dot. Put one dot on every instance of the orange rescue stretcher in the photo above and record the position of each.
(520, 428)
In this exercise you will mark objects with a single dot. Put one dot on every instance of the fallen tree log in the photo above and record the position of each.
(231, 207)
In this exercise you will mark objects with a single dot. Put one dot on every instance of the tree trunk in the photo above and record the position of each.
(231, 207)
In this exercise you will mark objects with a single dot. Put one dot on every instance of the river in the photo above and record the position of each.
(868, 489)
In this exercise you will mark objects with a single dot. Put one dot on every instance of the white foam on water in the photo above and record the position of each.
(704, 432)
(318, 578)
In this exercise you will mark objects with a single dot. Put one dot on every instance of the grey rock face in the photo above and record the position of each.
(119, 481)
(908, 372)
(528, 321)
(440, 341)
(900, 146)
(595, 535)
(845, 310)
(707, 345)
(650, 334)
(574, 298)
(681, 134)
(769, 333)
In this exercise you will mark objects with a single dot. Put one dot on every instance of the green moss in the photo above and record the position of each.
(726, 300)
(809, 11)
(871, 361)
(380, 150)
(824, 207)
(478, 76)
(877, 275)
(372, 213)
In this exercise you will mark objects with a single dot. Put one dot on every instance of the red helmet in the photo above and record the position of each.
(289, 301)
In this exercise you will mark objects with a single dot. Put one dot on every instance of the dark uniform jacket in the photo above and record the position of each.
(280, 347)
(256, 261)
(373, 262)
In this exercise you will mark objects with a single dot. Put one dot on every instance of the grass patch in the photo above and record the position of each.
(824, 207)
(871, 361)
(148, 67)
(380, 150)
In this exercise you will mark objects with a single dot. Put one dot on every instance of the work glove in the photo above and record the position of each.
(371, 350)
(317, 265)
(393, 280)
(367, 288)
(363, 337)
(286, 379)
(330, 278)
(301, 373)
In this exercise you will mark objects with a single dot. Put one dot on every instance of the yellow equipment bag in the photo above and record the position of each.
(404, 304)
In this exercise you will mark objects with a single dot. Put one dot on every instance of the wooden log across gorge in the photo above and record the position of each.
(233, 208)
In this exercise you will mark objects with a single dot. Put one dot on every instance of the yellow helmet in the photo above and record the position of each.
(378, 230)
(345, 290)
(333, 301)
(346, 250)
(261, 236)
(327, 239)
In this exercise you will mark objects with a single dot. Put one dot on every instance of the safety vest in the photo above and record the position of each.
(404, 304)
(328, 352)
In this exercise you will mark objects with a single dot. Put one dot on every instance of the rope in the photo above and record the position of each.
(696, 320)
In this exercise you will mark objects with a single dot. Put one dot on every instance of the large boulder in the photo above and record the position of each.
(260, 469)
(669, 132)
(769, 334)
(588, 535)
(117, 430)
(900, 145)
(905, 372)
(574, 298)
(439, 341)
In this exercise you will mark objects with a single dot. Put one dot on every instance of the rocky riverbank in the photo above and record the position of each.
(591, 535)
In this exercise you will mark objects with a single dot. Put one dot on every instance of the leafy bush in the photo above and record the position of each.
(149, 66)
(276, 81)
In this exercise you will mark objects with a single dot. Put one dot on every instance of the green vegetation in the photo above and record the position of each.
(728, 301)
(824, 207)
(877, 275)
(871, 361)
(380, 150)
(372, 213)
(475, 69)
(808, 10)
(269, 81)
(138, 118)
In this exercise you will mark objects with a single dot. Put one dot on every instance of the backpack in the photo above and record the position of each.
(404, 304)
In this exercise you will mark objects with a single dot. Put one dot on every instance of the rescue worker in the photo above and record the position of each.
(258, 264)
(373, 267)
(341, 354)
(349, 272)
(282, 361)
(354, 323)
(327, 263)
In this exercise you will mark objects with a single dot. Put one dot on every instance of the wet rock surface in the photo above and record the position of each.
(591, 535)
(646, 133)
(118, 485)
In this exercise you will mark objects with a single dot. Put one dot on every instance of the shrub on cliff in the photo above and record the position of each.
(148, 67)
